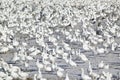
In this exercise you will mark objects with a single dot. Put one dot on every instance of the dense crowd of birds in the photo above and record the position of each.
(60, 29)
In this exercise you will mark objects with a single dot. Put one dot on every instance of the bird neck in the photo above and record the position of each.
(82, 71)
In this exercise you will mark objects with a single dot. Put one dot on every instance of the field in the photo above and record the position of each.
(59, 40)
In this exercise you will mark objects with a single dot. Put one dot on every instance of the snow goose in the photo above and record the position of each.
(47, 68)
(8, 77)
(54, 66)
(26, 65)
(40, 41)
(114, 45)
(83, 57)
(4, 65)
(28, 57)
(45, 61)
(15, 43)
(72, 63)
(38, 64)
(2, 74)
(22, 75)
(35, 52)
(10, 46)
(101, 65)
(13, 68)
(52, 39)
(4, 49)
(35, 77)
(32, 49)
(54, 53)
(15, 57)
(38, 77)
(24, 44)
(93, 75)
(106, 66)
(44, 55)
(85, 46)
(52, 58)
(65, 55)
(66, 46)
(60, 73)
(106, 75)
(1, 78)
(14, 74)
(67, 77)
(59, 51)
(83, 76)
(100, 50)
(89, 68)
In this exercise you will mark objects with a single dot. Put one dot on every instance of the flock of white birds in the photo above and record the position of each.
(44, 33)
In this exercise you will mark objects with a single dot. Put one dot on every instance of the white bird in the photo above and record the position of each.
(35, 77)
(22, 75)
(52, 58)
(113, 46)
(54, 66)
(60, 73)
(72, 63)
(85, 46)
(14, 74)
(15, 57)
(52, 39)
(1, 78)
(89, 67)
(100, 50)
(59, 51)
(35, 52)
(39, 65)
(64, 56)
(106, 66)
(45, 55)
(47, 68)
(4, 49)
(28, 57)
(93, 75)
(22, 56)
(15, 43)
(83, 57)
(13, 68)
(38, 76)
(2, 74)
(8, 77)
(67, 77)
(3, 64)
(26, 64)
(66, 46)
(107, 75)
(10, 46)
(32, 49)
(83, 76)
(24, 44)
(45, 61)
(101, 65)
(100, 40)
